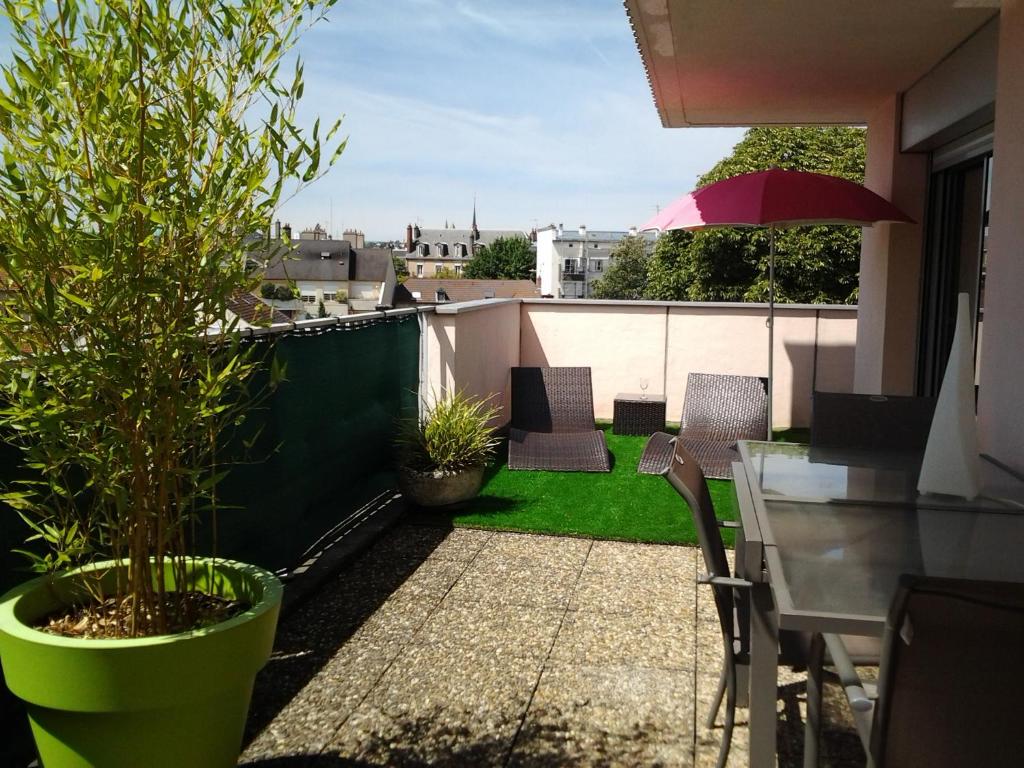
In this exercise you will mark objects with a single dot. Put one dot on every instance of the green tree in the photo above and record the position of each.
(626, 277)
(142, 143)
(812, 264)
(507, 258)
(401, 268)
(447, 273)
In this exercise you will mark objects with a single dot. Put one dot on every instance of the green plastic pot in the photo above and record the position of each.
(174, 700)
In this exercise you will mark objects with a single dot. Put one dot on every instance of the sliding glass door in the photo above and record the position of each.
(954, 262)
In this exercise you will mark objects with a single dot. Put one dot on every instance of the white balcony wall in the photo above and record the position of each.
(472, 346)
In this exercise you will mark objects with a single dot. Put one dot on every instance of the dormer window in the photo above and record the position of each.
(441, 294)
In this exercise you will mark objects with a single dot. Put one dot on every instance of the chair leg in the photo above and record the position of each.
(812, 725)
(730, 710)
(710, 722)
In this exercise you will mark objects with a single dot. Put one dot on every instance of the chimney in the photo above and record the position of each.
(533, 235)
(408, 238)
(277, 229)
(288, 231)
(632, 231)
(559, 229)
(583, 230)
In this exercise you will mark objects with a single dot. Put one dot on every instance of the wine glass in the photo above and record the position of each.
(644, 384)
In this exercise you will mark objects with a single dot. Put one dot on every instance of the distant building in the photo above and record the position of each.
(428, 251)
(416, 291)
(344, 278)
(251, 311)
(569, 261)
(354, 236)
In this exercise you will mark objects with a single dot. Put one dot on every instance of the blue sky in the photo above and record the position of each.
(539, 107)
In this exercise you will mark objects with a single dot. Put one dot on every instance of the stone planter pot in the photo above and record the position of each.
(438, 489)
(162, 702)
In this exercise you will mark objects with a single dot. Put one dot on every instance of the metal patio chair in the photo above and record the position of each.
(552, 425)
(950, 678)
(718, 410)
(796, 649)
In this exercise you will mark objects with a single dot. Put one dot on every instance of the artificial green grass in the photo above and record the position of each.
(620, 505)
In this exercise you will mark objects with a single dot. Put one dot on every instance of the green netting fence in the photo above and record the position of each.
(323, 448)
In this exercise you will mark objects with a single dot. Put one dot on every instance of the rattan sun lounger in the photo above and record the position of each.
(719, 409)
(552, 426)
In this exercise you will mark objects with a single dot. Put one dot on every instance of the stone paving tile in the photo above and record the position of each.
(462, 544)
(492, 629)
(608, 716)
(439, 707)
(431, 580)
(394, 625)
(610, 592)
(310, 719)
(517, 549)
(645, 560)
(637, 639)
(507, 585)
(408, 542)
(429, 648)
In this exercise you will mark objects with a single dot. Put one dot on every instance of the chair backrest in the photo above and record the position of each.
(552, 400)
(686, 476)
(723, 407)
(870, 422)
(951, 676)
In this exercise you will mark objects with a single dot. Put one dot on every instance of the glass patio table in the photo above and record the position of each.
(826, 535)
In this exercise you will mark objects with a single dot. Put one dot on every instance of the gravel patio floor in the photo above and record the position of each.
(478, 648)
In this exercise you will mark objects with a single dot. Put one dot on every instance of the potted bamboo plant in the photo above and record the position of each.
(143, 146)
(443, 453)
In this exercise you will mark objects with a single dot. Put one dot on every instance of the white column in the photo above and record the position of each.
(890, 262)
(1000, 405)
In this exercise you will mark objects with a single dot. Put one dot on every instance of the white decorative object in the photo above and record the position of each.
(951, 456)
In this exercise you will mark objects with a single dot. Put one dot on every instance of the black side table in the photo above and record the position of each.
(636, 415)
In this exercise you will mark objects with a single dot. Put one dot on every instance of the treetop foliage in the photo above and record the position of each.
(812, 264)
(507, 258)
(626, 277)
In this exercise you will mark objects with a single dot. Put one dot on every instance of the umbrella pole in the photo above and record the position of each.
(771, 321)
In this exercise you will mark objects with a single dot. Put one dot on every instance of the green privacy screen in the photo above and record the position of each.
(323, 447)
(325, 438)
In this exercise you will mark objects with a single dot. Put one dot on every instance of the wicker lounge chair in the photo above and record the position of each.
(552, 424)
(719, 410)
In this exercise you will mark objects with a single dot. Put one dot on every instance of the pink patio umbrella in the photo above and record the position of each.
(776, 198)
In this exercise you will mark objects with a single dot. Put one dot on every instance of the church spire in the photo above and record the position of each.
(475, 231)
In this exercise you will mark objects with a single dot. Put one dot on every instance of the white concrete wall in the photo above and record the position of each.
(1000, 408)
(472, 351)
(624, 341)
(665, 342)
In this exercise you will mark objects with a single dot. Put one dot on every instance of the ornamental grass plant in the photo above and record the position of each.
(145, 144)
(452, 434)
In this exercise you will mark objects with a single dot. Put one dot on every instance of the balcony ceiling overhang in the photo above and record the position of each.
(750, 62)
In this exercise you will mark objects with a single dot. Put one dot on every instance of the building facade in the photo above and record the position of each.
(345, 279)
(570, 261)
